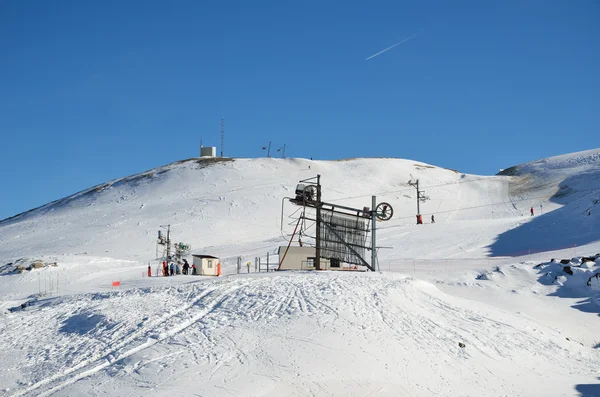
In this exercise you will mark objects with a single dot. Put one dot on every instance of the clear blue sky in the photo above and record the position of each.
(96, 90)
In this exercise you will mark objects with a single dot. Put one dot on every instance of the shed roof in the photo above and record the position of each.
(204, 256)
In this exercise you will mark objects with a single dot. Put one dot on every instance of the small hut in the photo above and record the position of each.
(300, 258)
(207, 265)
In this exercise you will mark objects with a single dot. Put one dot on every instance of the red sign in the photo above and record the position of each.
(116, 283)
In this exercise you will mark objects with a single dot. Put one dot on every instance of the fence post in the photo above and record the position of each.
(414, 267)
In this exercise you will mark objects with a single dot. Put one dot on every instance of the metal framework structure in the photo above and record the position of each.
(165, 241)
(222, 136)
(168, 253)
(344, 237)
(341, 232)
(420, 198)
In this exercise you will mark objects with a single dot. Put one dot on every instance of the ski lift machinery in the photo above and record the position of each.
(349, 241)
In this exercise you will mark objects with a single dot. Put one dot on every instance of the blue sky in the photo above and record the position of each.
(96, 90)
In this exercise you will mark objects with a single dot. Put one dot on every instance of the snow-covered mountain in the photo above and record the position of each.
(226, 205)
(469, 279)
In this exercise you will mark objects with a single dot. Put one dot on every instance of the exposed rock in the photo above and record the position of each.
(568, 270)
(589, 282)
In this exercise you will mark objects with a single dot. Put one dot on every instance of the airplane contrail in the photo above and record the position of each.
(409, 38)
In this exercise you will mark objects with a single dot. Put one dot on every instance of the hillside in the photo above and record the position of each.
(480, 276)
(215, 203)
(226, 205)
(566, 188)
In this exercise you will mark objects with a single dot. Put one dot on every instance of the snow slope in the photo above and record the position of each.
(227, 205)
(213, 203)
(568, 189)
(527, 330)
(294, 334)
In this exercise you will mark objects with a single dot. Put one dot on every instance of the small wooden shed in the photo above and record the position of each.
(207, 265)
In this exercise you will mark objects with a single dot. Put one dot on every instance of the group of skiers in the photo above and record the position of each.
(173, 268)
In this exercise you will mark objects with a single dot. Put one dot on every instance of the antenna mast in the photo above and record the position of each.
(222, 135)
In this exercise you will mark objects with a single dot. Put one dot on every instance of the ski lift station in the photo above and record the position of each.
(207, 265)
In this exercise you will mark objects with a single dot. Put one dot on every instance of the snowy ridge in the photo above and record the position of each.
(223, 202)
(587, 159)
(238, 200)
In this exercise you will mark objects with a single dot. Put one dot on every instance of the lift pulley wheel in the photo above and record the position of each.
(384, 211)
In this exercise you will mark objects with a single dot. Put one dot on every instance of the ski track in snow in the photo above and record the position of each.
(240, 329)
(132, 343)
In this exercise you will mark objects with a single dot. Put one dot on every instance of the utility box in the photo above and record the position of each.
(209, 151)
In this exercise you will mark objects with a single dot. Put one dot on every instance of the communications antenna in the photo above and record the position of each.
(222, 135)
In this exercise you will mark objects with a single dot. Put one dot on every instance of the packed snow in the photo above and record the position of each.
(470, 305)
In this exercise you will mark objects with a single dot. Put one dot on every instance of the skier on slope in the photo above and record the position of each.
(432, 219)
(531, 210)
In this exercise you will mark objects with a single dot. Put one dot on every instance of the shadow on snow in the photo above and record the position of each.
(575, 224)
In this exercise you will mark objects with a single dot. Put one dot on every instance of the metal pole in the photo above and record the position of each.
(269, 151)
(268, 260)
(318, 234)
(418, 193)
(373, 230)
(168, 243)
(222, 136)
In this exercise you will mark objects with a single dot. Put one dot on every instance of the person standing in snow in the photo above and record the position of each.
(177, 268)
(172, 268)
(432, 219)
(531, 210)
(165, 270)
(186, 266)
(194, 273)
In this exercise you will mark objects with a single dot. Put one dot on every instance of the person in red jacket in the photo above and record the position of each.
(531, 210)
